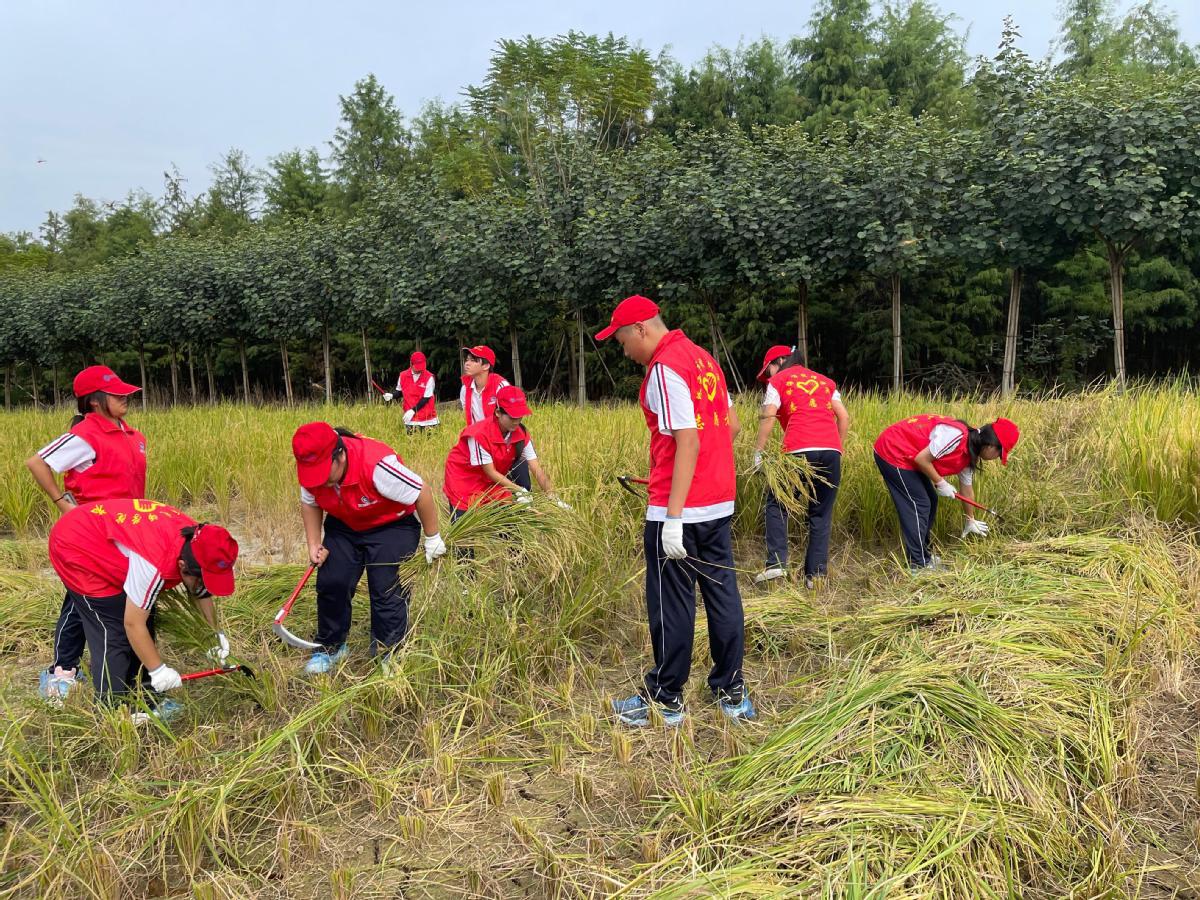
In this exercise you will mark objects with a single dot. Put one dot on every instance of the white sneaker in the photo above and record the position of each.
(769, 575)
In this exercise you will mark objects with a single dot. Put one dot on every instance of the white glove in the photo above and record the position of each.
(562, 504)
(164, 678)
(434, 547)
(672, 539)
(944, 488)
(974, 526)
(409, 415)
(219, 653)
(389, 397)
(757, 461)
(523, 496)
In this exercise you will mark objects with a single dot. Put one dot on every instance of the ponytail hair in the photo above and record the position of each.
(978, 438)
(84, 405)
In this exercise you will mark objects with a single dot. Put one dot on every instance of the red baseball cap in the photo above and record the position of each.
(313, 445)
(483, 353)
(771, 355)
(216, 551)
(1008, 433)
(101, 378)
(417, 360)
(511, 399)
(629, 311)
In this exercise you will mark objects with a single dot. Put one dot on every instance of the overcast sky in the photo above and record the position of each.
(109, 94)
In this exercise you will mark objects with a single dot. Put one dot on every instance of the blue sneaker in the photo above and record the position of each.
(321, 662)
(635, 712)
(54, 686)
(742, 711)
(165, 710)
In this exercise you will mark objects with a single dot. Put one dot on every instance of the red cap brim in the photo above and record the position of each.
(120, 388)
(606, 333)
(314, 474)
(518, 410)
(218, 581)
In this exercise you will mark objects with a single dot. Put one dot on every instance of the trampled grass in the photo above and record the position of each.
(980, 732)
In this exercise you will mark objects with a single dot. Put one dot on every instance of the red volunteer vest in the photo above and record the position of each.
(900, 443)
(487, 401)
(806, 409)
(356, 502)
(465, 484)
(412, 389)
(83, 543)
(119, 469)
(715, 481)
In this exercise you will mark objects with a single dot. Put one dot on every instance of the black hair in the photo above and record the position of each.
(978, 439)
(471, 355)
(795, 358)
(340, 446)
(188, 556)
(84, 405)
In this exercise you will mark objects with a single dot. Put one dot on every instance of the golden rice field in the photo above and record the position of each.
(1024, 724)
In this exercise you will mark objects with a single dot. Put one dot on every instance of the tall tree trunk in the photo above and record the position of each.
(367, 365)
(142, 371)
(802, 323)
(328, 364)
(719, 346)
(1008, 379)
(174, 376)
(287, 370)
(1116, 287)
(515, 349)
(245, 370)
(34, 378)
(417, 345)
(897, 340)
(582, 359)
(9, 375)
(192, 372)
(212, 384)
(54, 383)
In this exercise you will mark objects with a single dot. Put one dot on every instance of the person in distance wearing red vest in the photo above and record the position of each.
(100, 457)
(357, 500)
(915, 457)
(115, 557)
(485, 450)
(809, 409)
(691, 501)
(477, 397)
(418, 393)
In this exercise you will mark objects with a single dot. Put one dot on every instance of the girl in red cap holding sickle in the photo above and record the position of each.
(917, 455)
(809, 408)
(114, 557)
(478, 399)
(487, 449)
(101, 457)
(357, 500)
(417, 388)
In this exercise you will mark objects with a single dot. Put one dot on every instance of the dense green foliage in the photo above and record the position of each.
(908, 218)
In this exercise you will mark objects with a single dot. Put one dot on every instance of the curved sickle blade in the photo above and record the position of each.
(626, 481)
(987, 509)
(227, 670)
(288, 638)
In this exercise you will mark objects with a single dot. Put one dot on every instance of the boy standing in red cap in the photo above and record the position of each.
(692, 424)
(417, 388)
(915, 456)
(357, 502)
(486, 450)
(100, 457)
(478, 398)
(809, 409)
(114, 557)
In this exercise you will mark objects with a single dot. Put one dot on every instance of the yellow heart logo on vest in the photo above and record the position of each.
(809, 386)
(708, 381)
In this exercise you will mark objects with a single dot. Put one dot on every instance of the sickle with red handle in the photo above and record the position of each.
(377, 387)
(277, 626)
(626, 480)
(986, 509)
(227, 670)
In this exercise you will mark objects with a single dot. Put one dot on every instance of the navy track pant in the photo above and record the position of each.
(116, 669)
(377, 552)
(916, 504)
(69, 636)
(671, 610)
(827, 469)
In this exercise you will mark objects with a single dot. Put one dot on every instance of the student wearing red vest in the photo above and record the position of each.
(809, 409)
(114, 557)
(417, 388)
(486, 450)
(691, 499)
(477, 397)
(917, 455)
(100, 457)
(357, 500)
